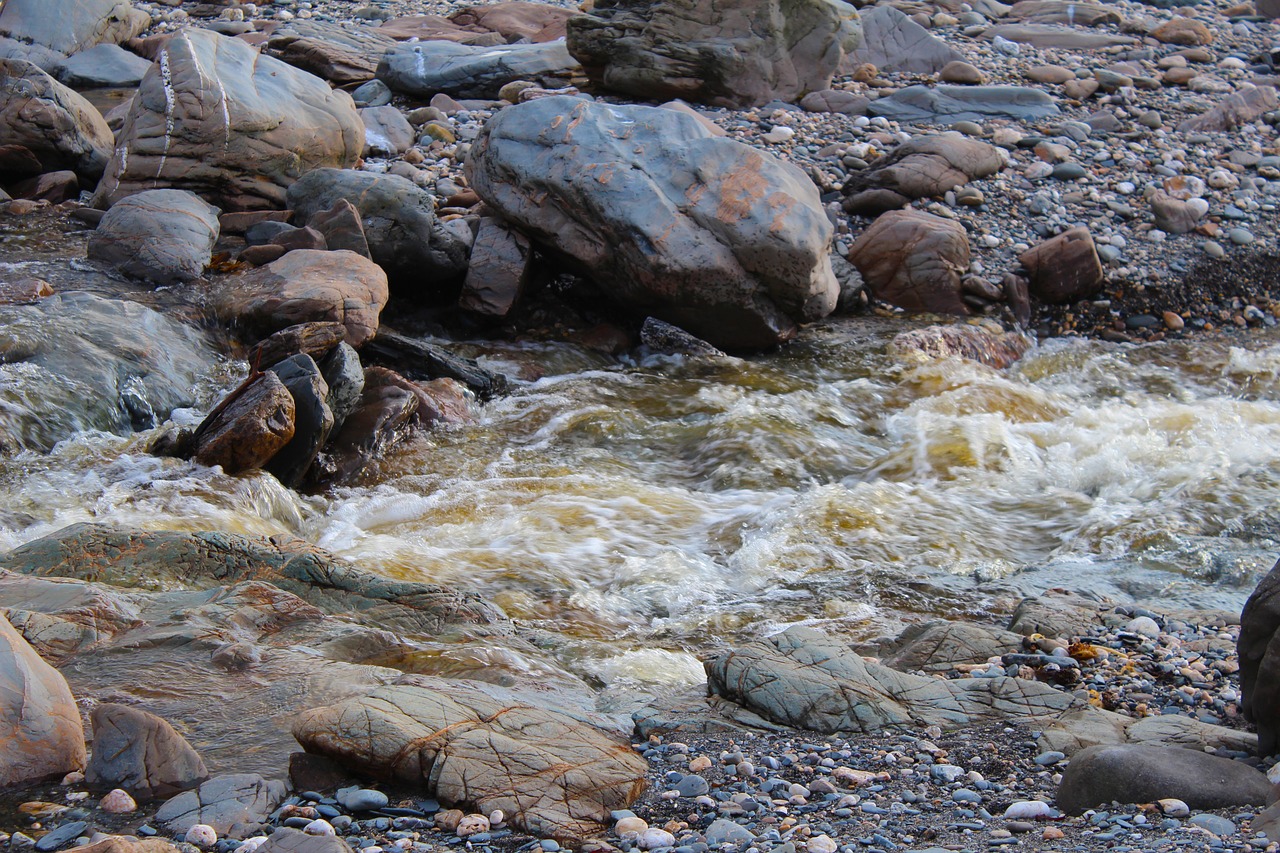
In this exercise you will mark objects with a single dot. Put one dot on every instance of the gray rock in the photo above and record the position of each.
(40, 734)
(60, 836)
(107, 66)
(386, 131)
(234, 805)
(375, 93)
(63, 29)
(287, 840)
(499, 269)
(949, 104)
(344, 375)
(237, 128)
(672, 340)
(923, 167)
(426, 68)
(937, 646)
(1142, 774)
(141, 753)
(732, 53)
(1057, 615)
(704, 232)
(891, 41)
(1063, 38)
(57, 126)
(404, 236)
(1234, 110)
(160, 236)
(313, 420)
(361, 799)
(340, 54)
(722, 831)
(1218, 825)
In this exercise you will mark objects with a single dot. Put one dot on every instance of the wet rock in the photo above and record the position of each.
(914, 260)
(248, 428)
(306, 286)
(1143, 774)
(891, 41)
(1057, 614)
(142, 753)
(106, 66)
(344, 375)
(499, 269)
(1234, 110)
(46, 33)
(313, 339)
(702, 231)
(160, 236)
(1065, 268)
(53, 187)
(40, 734)
(341, 227)
(237, 128)
(734, 53)
(666, 338)
(923, 167)
(553, 773)
(937, 646)
(424, 68)
(404, 236)
(386, 132)
(418, 357)
(232, 805)
(313, 420)
(53, 125)
(945, 104)
(341, 55)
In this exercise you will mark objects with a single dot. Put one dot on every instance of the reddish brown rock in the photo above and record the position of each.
(499, 269)
(53, 187)
(914, 260)
(24, 290)
(341, 55)
(240, 221)
(1234, 110)
(537, 22)
(1065, 268)
(247, 428)
(260, 256)
(384, 415)
(1184, 31)
(57, 127)
(342, 228)
(40, 733)
(313, 339)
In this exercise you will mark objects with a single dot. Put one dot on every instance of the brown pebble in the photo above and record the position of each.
(1052, 833)
(1172, 321)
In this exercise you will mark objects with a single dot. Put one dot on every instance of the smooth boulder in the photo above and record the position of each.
(160, 236)
(914, 260)
(237, 128)
(709, 234)
(892, 41)
(107, 66)
(1259, 653)
(141, 753)
(1130, 773)
(57, 126)
(1065, 268)
(233, 805)
(922, 167)
(40, 734)
(48, 32)
(426, 68)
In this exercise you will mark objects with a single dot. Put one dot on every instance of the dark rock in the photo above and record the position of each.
(1065, 268)
(424, 68)
(308, 772)
(923, 167)
(141, 753)
(312, 420)
(57, 128)
(419, 358)
(40, 734)
(499, 269)
(672, 340)
(260, 256)
(300, 238)
(161, 236)
(891, 41)
(106, 66)
(914, 260)
(248, 428)
(60, 836)
(1130, 773)
(385, 415)
(234, 805)
(341, 227)
(949, 104)
(241, 221)
(53, 187)
(266, 231)
(313, 339)
(1259, 654)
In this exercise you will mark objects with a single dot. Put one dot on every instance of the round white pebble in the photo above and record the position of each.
(1027, 809)
(319, 826)
(1174, 808)
(201, 835)
(821, 844)
(654, 838)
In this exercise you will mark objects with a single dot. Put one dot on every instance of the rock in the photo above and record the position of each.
(399, 222)
(1086, 14)
(835, 101)
(128, 844)
(314, 339)
(1061, 38)
(40, 734)
(235, 127)
(672, 340)
(499, 269)
(418, 357)
(24, 290)
(1065, 268)
(160, 236)
(1259, 655)
(386, 131)
(1142, 774)
(306, 286)
(313, 420)
(554, 774)
(53, 187)
(142, 753)
(1242, 107)
(893, 42)
(914, 260)
(1049, 74)
(201, 835)
(58, 128)
(424, 68)
(106, 66)
(118, 801)
(436, 28)
(937, 646)
(287, 840)
(361, 799)
(735, 53)
(949, 104)
(60, 836)
(962, 73)
(716, 237)
(341, 55)
(924, 166)
(1184, 31)
(48, 33)
(248, 428)
(232, 806)
(515, 21)
(1175, 215)
(344, 375)
(341, 228)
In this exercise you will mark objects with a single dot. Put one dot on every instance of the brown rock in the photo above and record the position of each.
(384, 415)
(962, 73)
(1186, 31)
(53, 187)
(310, 772)
(40, 734)
(248, 427)
(499, 269)
(18, 161)
(435, 28)
(301, 238)
(1179, 76)
(925, 166)
(914, 260)
(24, 290)
(1063, 12)
(314, 339)
(240, 221)
(1065, 268)
(341, 227)
(57, 127)
(1049, 74)
(129, 844)
(994, 348)
(537, 22)
(140, 753)
(1080, 90)
(260, 256)
(1234, 110)
(341, 55)
(1175, 215)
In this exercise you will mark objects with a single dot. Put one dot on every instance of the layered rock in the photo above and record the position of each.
(160, 236)
(47, 33)
(914, 260)
(669, 220)
(233, 805)
(40, 734)
(734, 53)
(56, 126)
(341, 55)
(465, 71)
(216, 117)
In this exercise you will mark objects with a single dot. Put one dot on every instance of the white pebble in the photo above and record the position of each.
(472, 824)
(496, 817)
(1144, 625)
(631, 824)
(118, 801)
(654, 838)
(1174, 808)
(1026, 809)
(201, 835)
(779, 134)
(319, 826)
(251, 844)
(821, 844)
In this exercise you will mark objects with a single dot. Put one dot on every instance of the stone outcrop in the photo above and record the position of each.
(107, 66)
(734, 53)
(40, 734)
(1129, 773)
(233, 805)
(551, 772)
(160, 236)
(141, 753)
(914, 260)
(341, 55)
(923, 167)
(1259, 653)
(712, 235)
(56, 126)
(947, 104)
(425, 68)
(237, 128)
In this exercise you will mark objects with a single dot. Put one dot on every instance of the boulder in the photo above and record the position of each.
(40, 733)
(1175, 215)
(552, 772)
(234, 805)
(398, 218)
(248, 428)
(714, 236)
(141, 753)
(306, 286)
(946, 104)
(56, 126)
(1057, 614)
(386, 412)
(1055, 37)
(835, 101)
(499, 269)
(386, 132)
(1238, 108)
(313, 420)
(1087, 14)
(922, 167)
(53, 187)
(341, 55)
(914, 260)
(1129, 773)
(515, 20)
(107, 66)
(423, 69)
(1259, 654)
(49, 32)
(160, 236)
(237, 128)
(732, 53)
(314, 339)
(1065, 268)
(937, 646)
(1183, 31)
(288, 840)
(436, 28)
(341, 227)
(892, 41)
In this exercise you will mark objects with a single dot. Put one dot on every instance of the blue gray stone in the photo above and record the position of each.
(949, 104)
(424, 69)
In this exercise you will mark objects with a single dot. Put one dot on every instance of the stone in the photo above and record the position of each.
(141, 753)
(1141, 774)
(1177, 216)
(159, 236)
(922, 167)
(341, 228)
(341, 55)
(314, 339)
(313, 420)
(232, 805)
(425, 68)
(386, 132)
(105, 66)
(1065, 268)
(51, 32)
(515, 21)
(361, 799)
(1061, 38)
(128, 844)
(1183, 31)
(553, 773)
(344, 375)
(835, 101)
(287, 840)
(1087, 14)
(946, 104)
(1242, 107)
(499, 269)
(1259, 655)
(734, 53)
(55, 126)
(672, 340)
(716, 237)
(24, 290)
(247, 428)
(1049, 74)
(53, 187)
(40, 734)
(914, 260)
(891, 41)
(937, 646)
(233, 126)
(399, 224)
(60, 836)
(961, 73)
(201, 835)
(306, 286)
(118, 801)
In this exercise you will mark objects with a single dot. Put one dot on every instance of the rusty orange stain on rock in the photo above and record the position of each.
(741, 191)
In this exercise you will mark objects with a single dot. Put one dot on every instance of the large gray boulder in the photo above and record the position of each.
(400, 226)
(58, 127)
(424, 68)
(234, 805)
(47, 32)
(160, 236)
(1130, 773)
(892, 41)
(40, 734)
(716, 237)
(551, 771)
(733, 53)
(107, 66)
(141, 753)
(216, 117)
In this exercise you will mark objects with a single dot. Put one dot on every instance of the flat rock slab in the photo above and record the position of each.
(893, 42)
(426, 68)
(68, 28)
(107, 66)
(947, 104)
(1129, 773)
(234, 805)
(1048, 36)
(341, 55)
(553, 773)
(160, 236)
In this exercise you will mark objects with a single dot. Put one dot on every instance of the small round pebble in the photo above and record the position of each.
(319, 826)
(201, 835)
(118, 801)
(654, 838)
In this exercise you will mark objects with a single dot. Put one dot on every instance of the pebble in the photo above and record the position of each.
(692, 786)
(1027, 809)
(631, 824)
(1171, 807)
(201, 835)
(117, 801)
(654, 839)
(361, 799)
(319, 826)
(1068, 171)
(779, 134)
(821, 844)
(1213, 249)
(1240, 236)
(472, 824)
(1049, 758)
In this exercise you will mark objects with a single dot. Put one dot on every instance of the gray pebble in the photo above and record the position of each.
(1240, 236)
